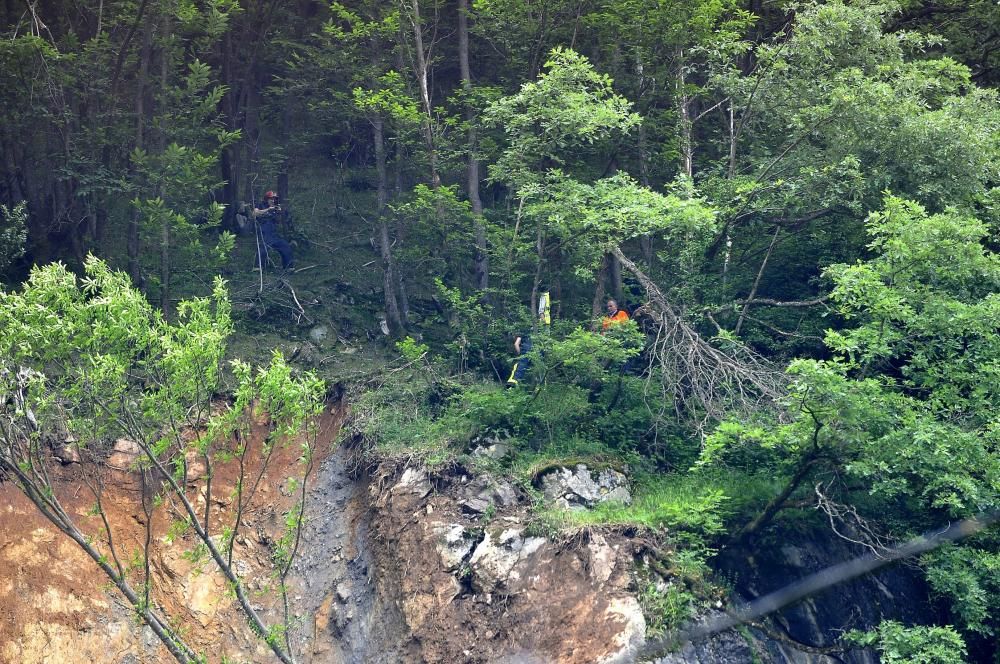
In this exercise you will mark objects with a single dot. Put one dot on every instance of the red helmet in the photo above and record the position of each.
(269, 194)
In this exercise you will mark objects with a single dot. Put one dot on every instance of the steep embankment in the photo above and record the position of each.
(394, 565)
(472, 583)
(810, 631)
(476, 585)
(347, 608)
(389, 569)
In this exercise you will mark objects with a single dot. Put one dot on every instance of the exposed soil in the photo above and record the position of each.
(346, 615)
(56, 606)
(371, 581)
(393, 566)
(557, 602)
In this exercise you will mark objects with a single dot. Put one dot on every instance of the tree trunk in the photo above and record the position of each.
(111, 101)
(422, 67)
(251, 130)
(15, 188)
(756, 282)
(597, 304)
(731, 117)
(283, 181)
(537, 282)
(165, 222)
(132, 232)
(165, 266)
(646, 240)
(397, 169)
(40, 208)
(399, 152)
(684, 111)
(615, 276)
(229, 159)
(100, 225)
(393, 314)
(482, 261)
(286, 133)
(731, 122)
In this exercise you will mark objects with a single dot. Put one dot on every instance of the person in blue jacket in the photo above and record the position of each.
(268, 215)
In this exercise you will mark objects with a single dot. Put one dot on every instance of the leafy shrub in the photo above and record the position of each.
(969, 576)
(665, 608)
(898, 644)
(411, 350)
(574, 392)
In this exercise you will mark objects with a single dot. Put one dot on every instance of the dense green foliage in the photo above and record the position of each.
(803, 197)
(915, 645)
(88, 366)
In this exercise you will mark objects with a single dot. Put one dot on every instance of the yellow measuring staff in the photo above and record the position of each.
(544, 308)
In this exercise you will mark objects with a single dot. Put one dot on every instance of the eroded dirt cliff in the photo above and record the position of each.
(389, 569)
(57, 606)
(479, 587)
(394, 565)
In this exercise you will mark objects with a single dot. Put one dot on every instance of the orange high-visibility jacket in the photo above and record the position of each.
(619, 317)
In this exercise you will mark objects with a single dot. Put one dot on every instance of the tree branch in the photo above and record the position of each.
(700, 379)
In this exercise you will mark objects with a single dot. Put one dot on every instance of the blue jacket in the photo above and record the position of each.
(268, 222)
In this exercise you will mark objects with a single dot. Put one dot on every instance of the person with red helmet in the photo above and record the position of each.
(268, 214)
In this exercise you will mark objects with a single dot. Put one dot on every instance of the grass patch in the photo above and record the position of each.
(666, 607)
(685, 502)
(675, 583)
(406, 416)
(436, 442)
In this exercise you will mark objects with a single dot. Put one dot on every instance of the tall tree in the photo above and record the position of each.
(423, 55)
(571, 106)
(366, 36)
(482, 264)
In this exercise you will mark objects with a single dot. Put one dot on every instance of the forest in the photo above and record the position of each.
(796, 203)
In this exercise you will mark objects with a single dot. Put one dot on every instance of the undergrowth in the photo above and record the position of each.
(669, 502)
(595, 414)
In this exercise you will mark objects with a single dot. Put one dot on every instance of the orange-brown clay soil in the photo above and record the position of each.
(392, 568)
(57, 606)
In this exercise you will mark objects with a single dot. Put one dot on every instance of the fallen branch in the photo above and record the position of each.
(767, 302)
(780, 332)
(818, 582)
(272, 293)
(756, 282)
(795, 643)
(849, 521)
(302, 312)
(704, 382)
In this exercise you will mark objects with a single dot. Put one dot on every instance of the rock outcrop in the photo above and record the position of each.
(501, 558)
(582, 488)
(474, 588)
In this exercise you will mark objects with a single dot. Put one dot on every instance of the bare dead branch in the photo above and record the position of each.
(756, 282)
(845, 519)
(703, 382)
(795, 643)
(783, 333)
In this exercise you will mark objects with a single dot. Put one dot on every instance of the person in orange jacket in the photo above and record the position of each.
(615, 316)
